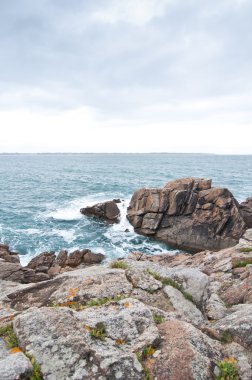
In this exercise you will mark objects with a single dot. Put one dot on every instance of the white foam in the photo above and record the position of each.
(71, 211)
(67, 235)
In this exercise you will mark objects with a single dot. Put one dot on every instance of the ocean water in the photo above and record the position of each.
(41, 195)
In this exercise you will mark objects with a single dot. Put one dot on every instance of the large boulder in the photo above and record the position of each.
(246, 211)
(108, 211)
(188, 214)
(65, 345)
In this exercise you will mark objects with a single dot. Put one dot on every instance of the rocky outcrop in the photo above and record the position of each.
(45, 265)
(246, 211)
(163, 317)
(188, 214)
(108, 211)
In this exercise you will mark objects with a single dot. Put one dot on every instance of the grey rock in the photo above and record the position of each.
(185, 308)
(13, 366)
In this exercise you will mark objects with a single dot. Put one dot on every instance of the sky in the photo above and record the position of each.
(126, 76)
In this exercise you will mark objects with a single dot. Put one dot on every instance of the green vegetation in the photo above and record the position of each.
(102, 301)
(11, 340)
(119, 265)
(145, 354)
(9, 336)
(246, 249)
(99, 331)
(36, 372)
(147, 373)
(241, 264)
(168, 281)
(158, 318)
(226, 337)
(228, 370)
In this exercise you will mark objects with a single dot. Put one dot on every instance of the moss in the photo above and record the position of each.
(158, 318)
(168, 281)
(246, 249)
(228, 370)
(9, 336)
(99, 331)
(119, 265)
(241, 264)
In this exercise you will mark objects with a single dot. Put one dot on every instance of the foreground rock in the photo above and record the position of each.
(188, 214)
(161, 317)
(108, 211)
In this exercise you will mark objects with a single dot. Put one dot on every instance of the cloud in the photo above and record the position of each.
(150, 61)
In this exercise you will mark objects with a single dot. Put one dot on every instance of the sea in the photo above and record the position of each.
(41, 196)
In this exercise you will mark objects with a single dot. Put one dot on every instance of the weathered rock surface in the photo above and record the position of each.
(246, 211)
(61, 342)
(187, 354)
(108, 211)
(188, 214)
(238, 324)
(13, 366)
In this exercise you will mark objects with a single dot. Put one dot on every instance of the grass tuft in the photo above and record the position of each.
(168, 281)
(9, 336)
(36, 372)
(158, 319)
(225, 337)
(241, 264)
(99, 331)
(228, 370)
(102, 301)
(246, 249)
(119, 265)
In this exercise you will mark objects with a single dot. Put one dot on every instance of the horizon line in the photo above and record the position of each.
(82, 153)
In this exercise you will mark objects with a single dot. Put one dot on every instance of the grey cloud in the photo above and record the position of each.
(194, 50)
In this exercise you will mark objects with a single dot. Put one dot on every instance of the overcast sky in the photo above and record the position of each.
(126, 76)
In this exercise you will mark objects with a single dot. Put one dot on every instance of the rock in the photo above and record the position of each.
(142, 280)
(61, 342)
(246, 211)
(80, 285)
(92, 258)
(13, 366)
(188, 214)
(16, 273)
(238, 324)
(186, 353)
(186, 309)
(75, 258)
(7, 255)
(108, 211)
(62, 258)
(44, 259)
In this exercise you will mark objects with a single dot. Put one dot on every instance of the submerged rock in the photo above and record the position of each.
(108, 211)
(188, 214)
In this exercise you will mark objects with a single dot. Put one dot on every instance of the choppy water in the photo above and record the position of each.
(40, 196)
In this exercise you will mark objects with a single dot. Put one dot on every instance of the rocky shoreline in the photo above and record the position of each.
(186, 317)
